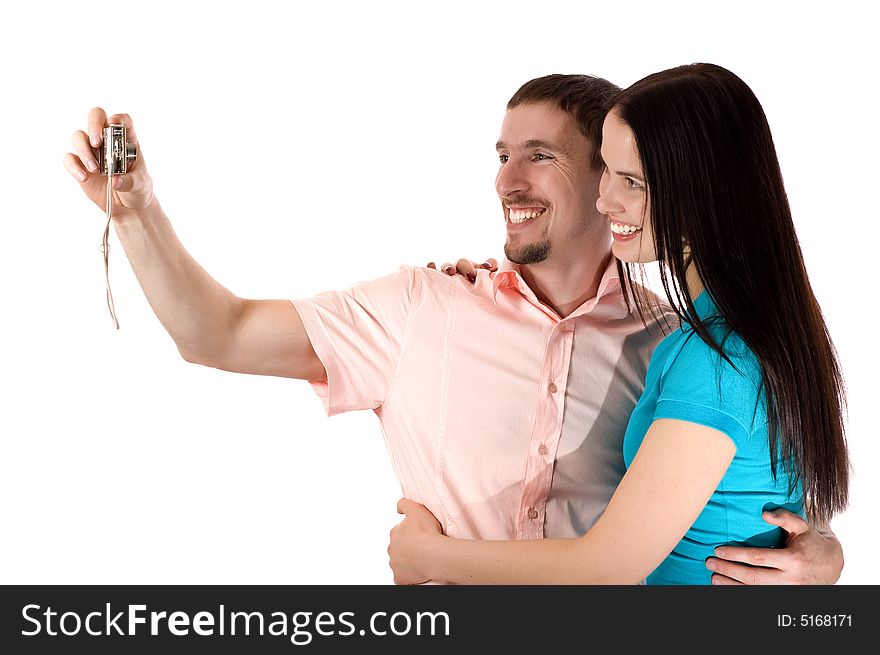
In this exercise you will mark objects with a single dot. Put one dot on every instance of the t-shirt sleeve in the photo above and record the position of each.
(701, 387)
(359, 334)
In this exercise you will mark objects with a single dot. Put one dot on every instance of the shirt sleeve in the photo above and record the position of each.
(701, 387)
(359, 336)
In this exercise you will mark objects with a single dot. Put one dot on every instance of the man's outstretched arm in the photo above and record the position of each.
(210, 325)
(810, 557)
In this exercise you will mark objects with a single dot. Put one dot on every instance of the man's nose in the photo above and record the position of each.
(512, 179)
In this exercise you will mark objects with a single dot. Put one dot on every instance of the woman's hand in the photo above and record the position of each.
(410, 543)
(466, 267)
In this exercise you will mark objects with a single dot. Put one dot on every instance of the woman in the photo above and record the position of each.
(742, 409)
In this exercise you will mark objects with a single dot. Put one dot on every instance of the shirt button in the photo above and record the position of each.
(533, 513)
(551, 387)
(542, 449)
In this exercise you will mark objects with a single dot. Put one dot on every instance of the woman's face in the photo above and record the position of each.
(623, 195)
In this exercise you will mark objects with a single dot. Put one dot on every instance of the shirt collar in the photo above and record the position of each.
(509, 276)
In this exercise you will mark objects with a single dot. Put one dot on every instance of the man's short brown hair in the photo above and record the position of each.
(583, 97)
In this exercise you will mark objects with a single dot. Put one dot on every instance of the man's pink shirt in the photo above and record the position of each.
(502, 418)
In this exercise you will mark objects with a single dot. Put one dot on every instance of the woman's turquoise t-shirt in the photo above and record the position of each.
(689, 381)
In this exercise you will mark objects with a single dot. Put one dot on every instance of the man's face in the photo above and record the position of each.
(546, 185)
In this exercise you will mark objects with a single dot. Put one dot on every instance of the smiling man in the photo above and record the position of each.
(503, 403)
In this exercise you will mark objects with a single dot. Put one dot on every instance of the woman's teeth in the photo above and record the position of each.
(624, 228)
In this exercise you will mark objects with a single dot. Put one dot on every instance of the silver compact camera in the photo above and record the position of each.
(116, 153)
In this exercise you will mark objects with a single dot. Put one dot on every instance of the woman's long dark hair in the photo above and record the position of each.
(717, 200)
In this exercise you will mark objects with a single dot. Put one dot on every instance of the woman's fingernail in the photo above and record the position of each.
(92, 165)
(95, 138)
(472, 276)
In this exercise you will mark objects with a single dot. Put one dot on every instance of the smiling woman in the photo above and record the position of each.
(622, 193)
(719, 221)
(689, 154)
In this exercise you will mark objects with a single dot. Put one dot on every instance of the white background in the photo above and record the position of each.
(303, 149)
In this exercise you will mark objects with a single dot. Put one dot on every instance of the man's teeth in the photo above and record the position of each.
(523, 215)
(624, 228)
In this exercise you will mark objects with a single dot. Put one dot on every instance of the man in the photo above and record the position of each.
(552, 358)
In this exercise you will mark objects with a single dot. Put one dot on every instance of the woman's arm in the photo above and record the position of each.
(673, 475)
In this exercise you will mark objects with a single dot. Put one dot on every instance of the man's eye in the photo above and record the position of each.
(503, 158)
(540, 156)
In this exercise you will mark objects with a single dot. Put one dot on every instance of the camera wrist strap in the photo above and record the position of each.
(105, 245)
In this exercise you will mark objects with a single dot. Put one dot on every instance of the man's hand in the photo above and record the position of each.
(810, 557)
(467, 268)
(407, 551)
(132, 191)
